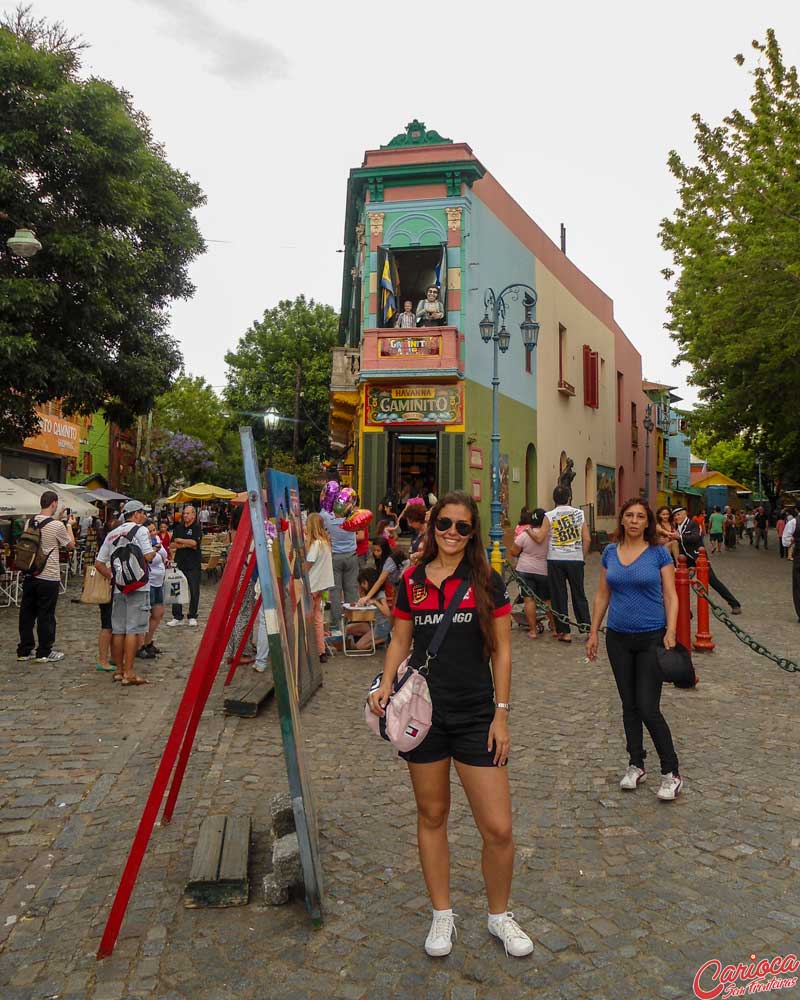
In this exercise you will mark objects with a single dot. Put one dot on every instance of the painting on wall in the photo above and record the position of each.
(606, 491)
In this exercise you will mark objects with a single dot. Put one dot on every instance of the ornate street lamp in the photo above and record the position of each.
(489, 327)
(648, 429)
(271, 420)
(23, 243)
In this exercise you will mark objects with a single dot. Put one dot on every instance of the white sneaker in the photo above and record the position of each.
(671, 784)
(52, 657)
(175, 621)
(438, 943)
(514, 938)
(193, 622)
(632, 777)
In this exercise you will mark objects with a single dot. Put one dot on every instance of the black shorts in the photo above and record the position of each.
(537, 583)
(459, 732)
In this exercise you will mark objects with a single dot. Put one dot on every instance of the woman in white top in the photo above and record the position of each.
(319, 565)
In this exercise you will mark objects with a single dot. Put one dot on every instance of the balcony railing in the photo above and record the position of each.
(345, 369)
(565, 388)
(434, 350)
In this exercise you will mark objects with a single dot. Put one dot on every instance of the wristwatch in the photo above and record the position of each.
(503, 704)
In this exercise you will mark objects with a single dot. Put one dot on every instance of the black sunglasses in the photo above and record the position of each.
(464, 528)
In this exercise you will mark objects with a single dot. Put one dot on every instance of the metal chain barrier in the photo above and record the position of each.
(510, 574)
(785, 664)
(790, 666)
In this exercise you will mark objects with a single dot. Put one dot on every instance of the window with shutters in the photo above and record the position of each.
(591, 377)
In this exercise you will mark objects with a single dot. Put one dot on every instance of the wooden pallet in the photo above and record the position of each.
(219, 868)
(248, 692)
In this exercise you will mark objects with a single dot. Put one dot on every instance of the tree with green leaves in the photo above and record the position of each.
(190, 406)
(284, 360)
(85, 320)
(735, 240)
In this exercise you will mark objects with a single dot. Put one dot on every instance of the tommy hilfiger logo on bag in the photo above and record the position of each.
(411, 730)
(419, 592)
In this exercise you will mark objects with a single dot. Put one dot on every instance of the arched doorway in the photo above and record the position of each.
(621, 494)
(590, 483)
(530, 477)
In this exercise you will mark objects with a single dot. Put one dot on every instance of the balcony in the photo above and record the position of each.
(433, 351)
(345, 368)
(565, 388)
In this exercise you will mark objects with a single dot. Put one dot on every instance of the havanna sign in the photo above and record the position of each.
(415, 404)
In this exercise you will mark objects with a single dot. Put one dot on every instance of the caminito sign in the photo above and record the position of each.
(415, 404)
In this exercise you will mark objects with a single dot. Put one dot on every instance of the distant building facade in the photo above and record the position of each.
(411, 406)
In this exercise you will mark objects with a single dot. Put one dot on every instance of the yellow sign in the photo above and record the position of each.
(415, 404)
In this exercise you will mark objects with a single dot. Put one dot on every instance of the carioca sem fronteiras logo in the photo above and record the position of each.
(725, 981)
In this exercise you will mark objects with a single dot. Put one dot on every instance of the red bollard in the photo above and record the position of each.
(703, 642)
(684, 632)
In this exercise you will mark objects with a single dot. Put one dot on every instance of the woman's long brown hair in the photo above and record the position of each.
(480, 573)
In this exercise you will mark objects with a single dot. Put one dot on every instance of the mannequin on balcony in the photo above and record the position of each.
(430, 310)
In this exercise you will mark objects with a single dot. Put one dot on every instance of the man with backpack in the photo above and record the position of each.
(124, 558)
(36, 554)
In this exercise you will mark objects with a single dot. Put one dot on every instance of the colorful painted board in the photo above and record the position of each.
(413, 405)
(282, 672)
(284, 504)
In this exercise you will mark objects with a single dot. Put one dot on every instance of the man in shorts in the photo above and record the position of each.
(130, 610)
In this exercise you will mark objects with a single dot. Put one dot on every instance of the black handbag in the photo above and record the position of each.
(675, 666)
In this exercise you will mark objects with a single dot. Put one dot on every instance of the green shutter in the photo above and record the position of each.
(451, 462)
(373, 456)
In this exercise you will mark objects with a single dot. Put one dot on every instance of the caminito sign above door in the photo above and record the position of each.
(410, 405)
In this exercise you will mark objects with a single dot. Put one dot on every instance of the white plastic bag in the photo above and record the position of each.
(176, 587)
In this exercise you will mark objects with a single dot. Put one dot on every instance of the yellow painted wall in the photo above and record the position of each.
(564, 423)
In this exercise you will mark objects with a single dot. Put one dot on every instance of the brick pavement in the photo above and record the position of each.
(624, 896)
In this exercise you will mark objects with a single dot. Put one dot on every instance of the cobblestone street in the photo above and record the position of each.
(624, 896)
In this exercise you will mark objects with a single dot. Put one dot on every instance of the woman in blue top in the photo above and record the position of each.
(638, 582)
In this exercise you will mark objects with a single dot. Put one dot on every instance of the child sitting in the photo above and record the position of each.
(382, 625)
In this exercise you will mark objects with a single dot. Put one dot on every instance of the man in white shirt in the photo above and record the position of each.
(568, 540)
(130, 610)
(40, 590)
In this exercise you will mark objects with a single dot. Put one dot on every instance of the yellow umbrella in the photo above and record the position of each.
(201, 491)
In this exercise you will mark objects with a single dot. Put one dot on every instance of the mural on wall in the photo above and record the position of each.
(606, 491)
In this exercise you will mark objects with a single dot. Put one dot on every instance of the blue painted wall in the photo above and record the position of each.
(679, 448)
(493, 258)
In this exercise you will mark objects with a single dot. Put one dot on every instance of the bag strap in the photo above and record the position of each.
(447, 618)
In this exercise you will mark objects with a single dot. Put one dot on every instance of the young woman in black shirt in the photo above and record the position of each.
(470, 712)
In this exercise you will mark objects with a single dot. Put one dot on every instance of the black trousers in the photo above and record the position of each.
(37, 607)
(560, 572)
(633, 660)
(716, 584)
(193, 579)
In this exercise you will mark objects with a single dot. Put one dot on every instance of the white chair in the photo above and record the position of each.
(10, 584)
(64, 577)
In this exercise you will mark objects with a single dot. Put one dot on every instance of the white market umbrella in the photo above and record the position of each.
(17, 499)
(68, 498)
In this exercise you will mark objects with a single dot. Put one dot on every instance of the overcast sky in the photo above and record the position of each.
(572, 106)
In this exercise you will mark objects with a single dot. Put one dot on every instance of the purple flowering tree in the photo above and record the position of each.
(180, 459)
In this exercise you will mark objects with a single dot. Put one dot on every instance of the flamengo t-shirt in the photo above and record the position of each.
(460, 674)
(565, 540)
(637, 598)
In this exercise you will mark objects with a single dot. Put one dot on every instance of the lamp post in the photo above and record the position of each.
(271, 421)
(648, 430)
(491, 329)
(23, 243)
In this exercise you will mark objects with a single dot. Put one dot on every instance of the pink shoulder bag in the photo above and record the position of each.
(408, 713)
